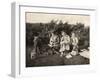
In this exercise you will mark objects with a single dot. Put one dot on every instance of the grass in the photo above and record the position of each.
(46, 59)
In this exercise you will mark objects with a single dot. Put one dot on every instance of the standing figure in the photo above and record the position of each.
(36, 48)
(74, 41)
(54, 42)
(64, 44)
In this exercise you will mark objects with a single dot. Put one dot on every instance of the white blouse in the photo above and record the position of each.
(54, 41)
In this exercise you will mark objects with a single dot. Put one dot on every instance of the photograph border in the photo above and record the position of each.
(16, 43)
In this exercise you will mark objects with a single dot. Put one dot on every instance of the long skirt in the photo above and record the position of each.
(64, 47)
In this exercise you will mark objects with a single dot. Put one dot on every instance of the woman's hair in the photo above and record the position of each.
(36, 34)
(54, 32)
(75, 34)
(63, 31)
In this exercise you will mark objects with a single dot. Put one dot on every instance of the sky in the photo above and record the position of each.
(47, 17)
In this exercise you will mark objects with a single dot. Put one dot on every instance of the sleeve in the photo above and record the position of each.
(58, 40)
(61, 41)
(76, 40)
(67, 39)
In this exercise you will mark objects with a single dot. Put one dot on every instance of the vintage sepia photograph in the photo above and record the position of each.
(55, 39)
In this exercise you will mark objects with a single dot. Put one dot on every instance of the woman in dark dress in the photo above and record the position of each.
(36, 47)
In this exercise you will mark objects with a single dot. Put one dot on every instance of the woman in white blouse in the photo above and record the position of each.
(74, 41)
(54, 42)
(64, 43)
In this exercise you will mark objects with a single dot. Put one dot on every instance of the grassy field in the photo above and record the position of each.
(46, 59)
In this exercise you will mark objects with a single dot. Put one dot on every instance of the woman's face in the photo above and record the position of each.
(63, 33)
(35, 37)
(73, 34)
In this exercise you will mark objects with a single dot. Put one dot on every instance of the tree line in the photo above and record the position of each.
(44, 29)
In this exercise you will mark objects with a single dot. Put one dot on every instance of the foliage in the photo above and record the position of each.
(44, 29)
